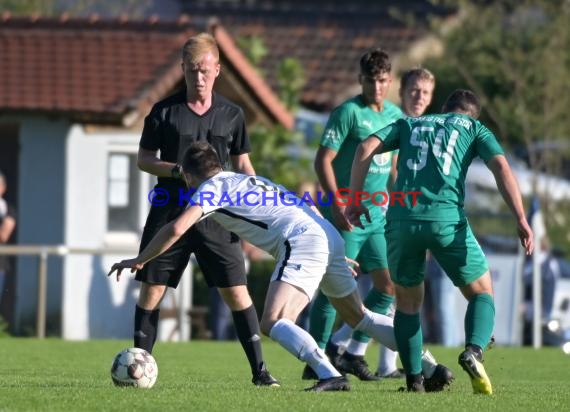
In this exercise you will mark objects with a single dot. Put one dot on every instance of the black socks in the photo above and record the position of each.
(249, 335)
(146, 326)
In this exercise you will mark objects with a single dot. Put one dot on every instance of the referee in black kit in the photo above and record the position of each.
(196, 114)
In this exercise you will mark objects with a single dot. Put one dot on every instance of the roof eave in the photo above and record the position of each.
(257, 84)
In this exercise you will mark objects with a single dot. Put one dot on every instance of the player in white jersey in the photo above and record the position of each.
(308, 250)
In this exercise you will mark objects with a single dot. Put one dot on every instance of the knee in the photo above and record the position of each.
(382, 282)
(150, 296)
(481, 286)
(409, 300)
(409, 306)
(236, 297)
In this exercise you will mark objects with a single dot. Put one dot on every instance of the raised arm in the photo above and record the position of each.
(393, 172)
(509, 189)
(360, 165)
(327, 179)
(162, 241)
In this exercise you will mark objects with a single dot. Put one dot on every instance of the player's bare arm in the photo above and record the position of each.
(148, 161)
(242, 164)
(6, 228)
(509, 189)
(166, 237)
(393, 172)
(360, 165)
(327, 179)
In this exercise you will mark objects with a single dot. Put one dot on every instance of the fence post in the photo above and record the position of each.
(42, 293)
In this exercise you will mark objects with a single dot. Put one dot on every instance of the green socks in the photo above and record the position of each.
(479, 320)
(321, 317)
(409, 339)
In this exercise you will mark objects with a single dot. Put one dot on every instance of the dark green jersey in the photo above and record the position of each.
(348, 125)
(435, 152)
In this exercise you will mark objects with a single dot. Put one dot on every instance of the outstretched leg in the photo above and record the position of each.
(283, 304)
(381, 328)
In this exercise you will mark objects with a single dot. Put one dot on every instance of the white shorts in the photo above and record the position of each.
(314, 258)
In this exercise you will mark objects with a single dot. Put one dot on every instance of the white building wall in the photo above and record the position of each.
(507, 288)
(63, 201)
(95, 306)
(41, 212)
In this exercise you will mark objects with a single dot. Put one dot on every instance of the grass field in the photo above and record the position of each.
(54, 375)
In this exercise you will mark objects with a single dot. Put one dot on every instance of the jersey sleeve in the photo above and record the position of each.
(337, 128)
(208, 195)
(152, 131)
(487, 144)
(390, 135)
(240, 142)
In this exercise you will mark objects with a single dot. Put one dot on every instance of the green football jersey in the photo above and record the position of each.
(435, 153)
(348, 125)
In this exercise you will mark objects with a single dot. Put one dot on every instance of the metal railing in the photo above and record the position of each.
(43, 252)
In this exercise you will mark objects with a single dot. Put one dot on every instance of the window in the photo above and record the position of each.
(123, 193)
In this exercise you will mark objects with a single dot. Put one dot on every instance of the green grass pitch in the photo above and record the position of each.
(55, 375)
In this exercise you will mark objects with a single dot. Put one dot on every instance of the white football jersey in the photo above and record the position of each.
(255, 208)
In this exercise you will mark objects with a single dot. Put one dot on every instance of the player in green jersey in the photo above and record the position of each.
(435, 153)
(348, 125)
(416, 91)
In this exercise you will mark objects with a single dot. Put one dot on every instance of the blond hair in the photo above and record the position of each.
(197, 46)
(417, 73)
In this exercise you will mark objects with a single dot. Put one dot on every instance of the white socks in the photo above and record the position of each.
(301, 344)
(380, 327)
(356, 348)
(428, 364)
(387, 361)
(342, 336)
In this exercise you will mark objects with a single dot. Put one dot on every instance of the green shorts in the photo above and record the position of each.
(367, 246)
(452, 244)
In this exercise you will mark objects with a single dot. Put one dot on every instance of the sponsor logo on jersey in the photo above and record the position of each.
(331, 135)
(382, 159)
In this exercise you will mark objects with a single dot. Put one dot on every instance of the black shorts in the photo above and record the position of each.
(218, 252)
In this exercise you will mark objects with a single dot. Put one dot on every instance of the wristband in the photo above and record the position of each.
(176, 172)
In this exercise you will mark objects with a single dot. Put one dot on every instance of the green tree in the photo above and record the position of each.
(49, 8)
(515, 54)
(282, 155)
(291, 79)
(253, 47)
(278, 153)
(26, 7)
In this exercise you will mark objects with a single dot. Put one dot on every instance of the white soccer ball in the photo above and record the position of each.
(134, 367)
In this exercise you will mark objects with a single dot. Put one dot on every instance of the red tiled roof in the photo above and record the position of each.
(101, 70)
(327, 38)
